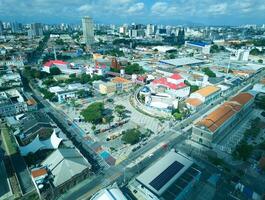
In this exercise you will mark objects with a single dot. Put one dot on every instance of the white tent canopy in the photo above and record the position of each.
(51, 143)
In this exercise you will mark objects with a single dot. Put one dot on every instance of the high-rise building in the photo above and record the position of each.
(35, 30)
(1, 28)
(150, 29)
(16, 27)
(181, 37)
(88, 31)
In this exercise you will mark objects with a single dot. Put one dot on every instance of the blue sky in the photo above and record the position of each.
(209, 12)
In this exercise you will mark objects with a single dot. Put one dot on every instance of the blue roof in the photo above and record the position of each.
(202, 44)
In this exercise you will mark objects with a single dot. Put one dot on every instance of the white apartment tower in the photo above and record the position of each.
(88, 31)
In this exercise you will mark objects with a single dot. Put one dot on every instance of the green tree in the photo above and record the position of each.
(93, 113)
(177, 116)
(255, 52)
(261, 102)
(120, 110)
(243, 151)
(208, 72)
(134, 69)
(131, 136)
(193, 88)
(49, 82)
(109, 119)
(55, 71)
(47, 94)
(214, 49)
(85, 78)
(260, 61)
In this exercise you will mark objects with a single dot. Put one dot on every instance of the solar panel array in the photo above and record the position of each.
(166, 175)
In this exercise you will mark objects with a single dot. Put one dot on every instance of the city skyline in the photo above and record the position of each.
(206, 12)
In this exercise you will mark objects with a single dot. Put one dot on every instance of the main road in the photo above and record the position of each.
(171, 135)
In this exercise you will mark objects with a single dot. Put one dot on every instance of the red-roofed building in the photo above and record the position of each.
(54, 63)
(173, 85)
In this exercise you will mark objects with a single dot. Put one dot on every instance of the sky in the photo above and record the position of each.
(172, 12)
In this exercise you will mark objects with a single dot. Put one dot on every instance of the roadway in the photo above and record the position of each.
(168, 135)
(115, 173)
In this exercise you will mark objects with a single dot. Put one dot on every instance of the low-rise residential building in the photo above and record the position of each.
(63, 94)
(12, 103)
(221, 121)
(39, 176)
(33, 124)
(10, 79)
(67, 167)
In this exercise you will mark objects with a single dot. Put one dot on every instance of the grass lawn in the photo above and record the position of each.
(8, 140)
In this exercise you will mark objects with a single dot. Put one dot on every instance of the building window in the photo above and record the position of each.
(200, 140)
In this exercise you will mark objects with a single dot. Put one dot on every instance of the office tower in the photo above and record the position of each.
(35, 30)
(88, 32)
(150, 29)
(16, 27)
(181, 37)
(1, 28)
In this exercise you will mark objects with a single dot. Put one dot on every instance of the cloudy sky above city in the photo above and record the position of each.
(214, 12)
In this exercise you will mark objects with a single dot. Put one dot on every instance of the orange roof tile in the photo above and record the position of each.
(120, 80)
(193, 101)
(208, 90)
(216, 118)
(242, 98)
(38, 172)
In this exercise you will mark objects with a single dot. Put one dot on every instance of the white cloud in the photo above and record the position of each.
(159, 7)
(85, 8)
(136, 8)
(120, 1)
(218, 9)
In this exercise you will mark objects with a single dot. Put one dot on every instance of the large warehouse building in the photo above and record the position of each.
(172, 177)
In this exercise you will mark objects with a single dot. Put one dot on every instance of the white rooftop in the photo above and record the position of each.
(56, 89)
(113, 193)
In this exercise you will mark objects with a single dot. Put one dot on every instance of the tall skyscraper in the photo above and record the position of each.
(88, 31)
(150, 29)
(181, 37)
(16, 27)
(1, 28)
(35, 30)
